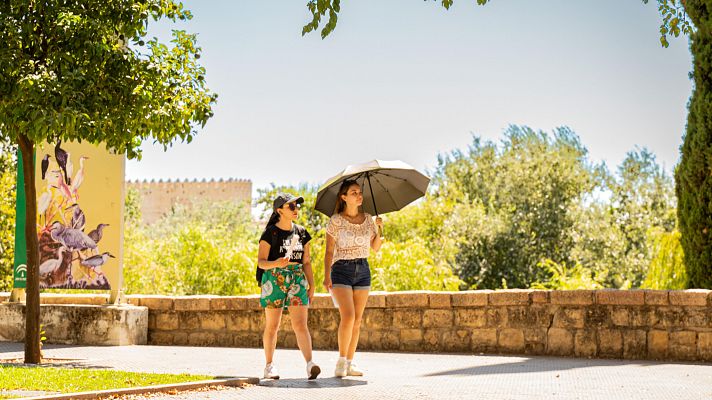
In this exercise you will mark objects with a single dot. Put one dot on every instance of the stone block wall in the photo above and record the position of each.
(634, 324)
(79, 323)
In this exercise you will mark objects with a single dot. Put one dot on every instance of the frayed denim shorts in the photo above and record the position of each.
(353, 274)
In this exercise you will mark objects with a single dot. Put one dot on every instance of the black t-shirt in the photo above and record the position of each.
(282, 241)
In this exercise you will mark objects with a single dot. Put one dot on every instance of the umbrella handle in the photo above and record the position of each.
(373, 198)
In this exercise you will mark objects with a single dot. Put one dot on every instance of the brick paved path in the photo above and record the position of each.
(406, 376)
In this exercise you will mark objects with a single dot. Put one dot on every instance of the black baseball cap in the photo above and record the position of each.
(284, 198)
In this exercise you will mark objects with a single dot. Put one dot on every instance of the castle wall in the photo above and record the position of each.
(158, 197)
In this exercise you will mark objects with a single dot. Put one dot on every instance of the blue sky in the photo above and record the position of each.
(407, 79)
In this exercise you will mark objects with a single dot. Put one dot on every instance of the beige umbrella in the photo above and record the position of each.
(387, 186)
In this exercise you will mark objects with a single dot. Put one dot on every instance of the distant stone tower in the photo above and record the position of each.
(158, 197)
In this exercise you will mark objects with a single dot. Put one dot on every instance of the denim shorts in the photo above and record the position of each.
(354, 274)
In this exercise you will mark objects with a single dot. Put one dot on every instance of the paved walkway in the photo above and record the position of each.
(404, 376)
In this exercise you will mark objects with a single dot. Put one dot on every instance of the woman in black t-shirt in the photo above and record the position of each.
(287, 280)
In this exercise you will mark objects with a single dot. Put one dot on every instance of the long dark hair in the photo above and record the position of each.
(340, 203)
(273, 219)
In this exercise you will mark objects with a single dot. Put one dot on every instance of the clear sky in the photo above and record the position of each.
(407, 79)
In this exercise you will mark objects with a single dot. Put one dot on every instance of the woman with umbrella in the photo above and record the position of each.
(351, 233)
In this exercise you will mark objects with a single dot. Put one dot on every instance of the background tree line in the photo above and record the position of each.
(530, 211)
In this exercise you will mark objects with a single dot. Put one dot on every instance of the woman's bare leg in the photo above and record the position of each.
(345, 299)
(269, 338)
(298, 315)
(360, 297)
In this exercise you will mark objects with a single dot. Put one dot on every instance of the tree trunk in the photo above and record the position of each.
(32, 303)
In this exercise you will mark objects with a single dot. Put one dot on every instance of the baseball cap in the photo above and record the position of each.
(284, 198)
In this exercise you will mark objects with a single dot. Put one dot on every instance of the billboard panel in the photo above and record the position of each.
(80, 199)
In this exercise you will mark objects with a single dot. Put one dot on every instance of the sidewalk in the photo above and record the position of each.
(404, 376)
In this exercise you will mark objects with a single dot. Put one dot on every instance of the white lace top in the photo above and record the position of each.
(352, 240)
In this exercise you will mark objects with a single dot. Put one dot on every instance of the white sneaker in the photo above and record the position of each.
(341, 368)
(313, 370)
(271, 372)
(353, 370)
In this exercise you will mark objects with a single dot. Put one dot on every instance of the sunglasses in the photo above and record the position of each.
(293, 206)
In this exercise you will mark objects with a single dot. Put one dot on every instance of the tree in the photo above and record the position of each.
(692, 177)
(516, 204)
(642, 197)
(78, 70)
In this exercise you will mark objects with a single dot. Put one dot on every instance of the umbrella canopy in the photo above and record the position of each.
(387, 186)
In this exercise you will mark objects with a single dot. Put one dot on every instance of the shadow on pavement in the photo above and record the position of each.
(533, 365)
(318, 383)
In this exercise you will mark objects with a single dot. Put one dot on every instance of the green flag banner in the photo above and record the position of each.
(20, 270)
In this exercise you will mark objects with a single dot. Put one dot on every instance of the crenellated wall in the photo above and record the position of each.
(634, 324)
(159, 196)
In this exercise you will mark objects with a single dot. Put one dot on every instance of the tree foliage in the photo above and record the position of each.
(642, 197)
(206, 248)
(531, 211)
(692, 177)
(675, 20)
(666, 270)
(515, 203)
(562, 277)
(535, 201)
(84, 70)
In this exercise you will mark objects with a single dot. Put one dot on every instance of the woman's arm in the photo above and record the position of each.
(306, 264)
(328, 258)
(377, 240)
(263, 254)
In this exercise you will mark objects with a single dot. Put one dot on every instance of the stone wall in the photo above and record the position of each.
(105, 325)
(635, 324)
(158, 197)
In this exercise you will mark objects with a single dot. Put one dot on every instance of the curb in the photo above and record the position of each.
(147, 389)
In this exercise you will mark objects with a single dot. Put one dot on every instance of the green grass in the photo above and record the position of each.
(69, 380)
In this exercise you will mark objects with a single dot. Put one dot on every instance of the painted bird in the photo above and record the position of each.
(45, 165)
(70, 168)
(61, 156)
(78, 217)
(97, 233)
(72, 239)
(50, 268)
(44, 201)
(78, 178)
(95, 262)
(63, 187)
(52, 264)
